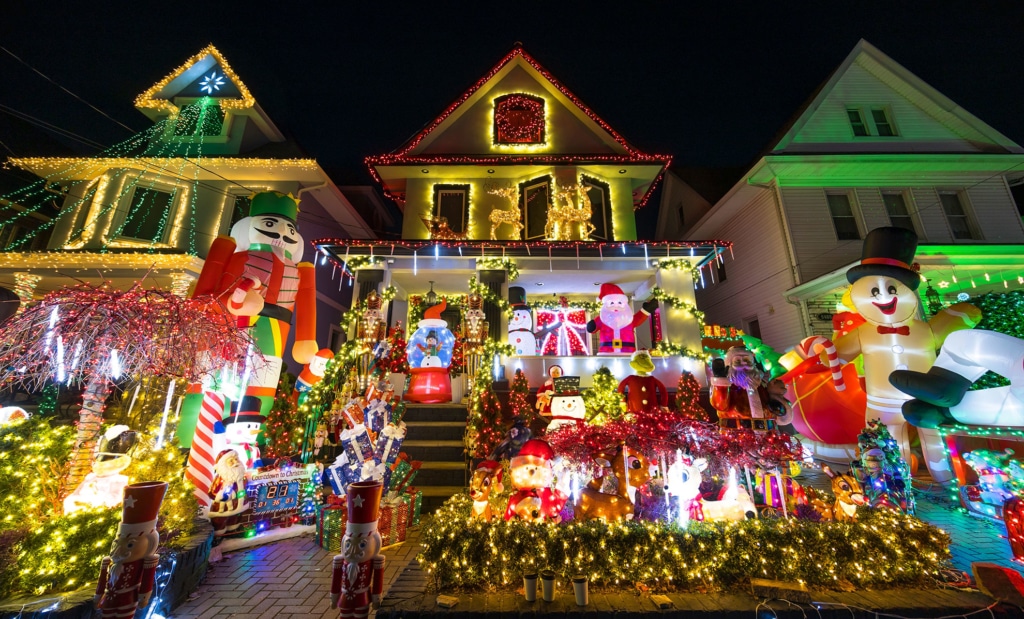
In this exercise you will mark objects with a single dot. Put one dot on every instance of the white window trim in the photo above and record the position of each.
(965, 203)
(908, 201)
(858, 216)
(869, 121)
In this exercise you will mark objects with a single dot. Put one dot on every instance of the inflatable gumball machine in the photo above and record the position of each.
(430, 353)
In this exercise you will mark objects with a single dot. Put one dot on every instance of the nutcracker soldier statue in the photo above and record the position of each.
(257, 275)
(127, 575)
(357, 577)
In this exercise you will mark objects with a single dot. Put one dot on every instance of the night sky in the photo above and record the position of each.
(709, 85)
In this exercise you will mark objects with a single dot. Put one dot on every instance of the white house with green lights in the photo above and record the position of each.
(873, 146)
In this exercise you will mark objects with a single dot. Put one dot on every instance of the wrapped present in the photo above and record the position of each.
(357, 444)
(342, 473)
(403, 479)
(415, 499)
(353, 413)
(376, 413)
(330, 526)
(397, 412)
(389, 443)
(393, 522)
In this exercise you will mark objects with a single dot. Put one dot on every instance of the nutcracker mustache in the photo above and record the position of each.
(745, 377)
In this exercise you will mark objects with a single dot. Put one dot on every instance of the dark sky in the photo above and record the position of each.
(705, 82)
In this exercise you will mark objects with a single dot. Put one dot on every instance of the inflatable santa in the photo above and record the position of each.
(742, 396)
(617, 320)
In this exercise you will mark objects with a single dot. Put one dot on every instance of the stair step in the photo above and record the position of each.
(435, 424)
(440, 477)
(444, 466)
(445, 491)
(435, 412)
(426, 443)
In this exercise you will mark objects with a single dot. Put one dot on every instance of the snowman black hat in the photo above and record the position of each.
(517, 297)
(888, 252)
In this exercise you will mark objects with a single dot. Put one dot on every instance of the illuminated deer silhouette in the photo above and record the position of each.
(511, 216)
(563, 217)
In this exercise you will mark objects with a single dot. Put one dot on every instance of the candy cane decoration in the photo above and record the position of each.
(199, 469)
(813, 346)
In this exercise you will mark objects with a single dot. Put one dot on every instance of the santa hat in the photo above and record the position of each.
(140, 507)
(535, 452)
(488, 465)
(432, 317)
(363, 506)
(609, 289)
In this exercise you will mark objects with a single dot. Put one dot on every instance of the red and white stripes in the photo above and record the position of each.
(201, 457)
(813, 346)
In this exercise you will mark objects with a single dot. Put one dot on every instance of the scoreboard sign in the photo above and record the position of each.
(277, 491)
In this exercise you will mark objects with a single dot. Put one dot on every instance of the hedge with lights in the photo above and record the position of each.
(883, 548)
(1002, 313)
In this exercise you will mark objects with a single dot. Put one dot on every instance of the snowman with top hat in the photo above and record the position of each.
(567, 405)
(239, 432)
(893, 336)
(520, 325)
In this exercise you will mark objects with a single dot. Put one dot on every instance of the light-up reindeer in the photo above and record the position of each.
(511, 216)
(631, 471)
(486, 479)
(683, 480)
(572, 212)
(849, 494)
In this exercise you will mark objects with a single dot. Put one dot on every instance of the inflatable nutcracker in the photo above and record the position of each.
(644, 393)
(616, 321)
(256, 273)
(742, 397)
(358, 572)
(893, 337)
(312, 373)
(127, 575)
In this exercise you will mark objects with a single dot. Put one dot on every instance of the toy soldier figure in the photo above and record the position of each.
(358, 572)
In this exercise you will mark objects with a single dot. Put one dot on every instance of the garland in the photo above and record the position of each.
(418, 305)
(679, 264)
(352, 316)
(668, 349)
(489, 296)
(499, 264)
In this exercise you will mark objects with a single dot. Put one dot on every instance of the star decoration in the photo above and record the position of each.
(943, 284)
(357, 501)
(211, 83)
(129, 501)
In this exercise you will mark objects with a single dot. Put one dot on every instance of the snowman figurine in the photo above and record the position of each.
(520, 325)
(240, 431)
(567, 406)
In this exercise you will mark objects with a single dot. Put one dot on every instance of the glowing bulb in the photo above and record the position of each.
(115, 364)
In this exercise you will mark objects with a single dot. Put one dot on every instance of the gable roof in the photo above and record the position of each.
(159, 97)
(958, 122)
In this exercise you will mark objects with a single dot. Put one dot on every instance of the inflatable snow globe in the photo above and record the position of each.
(430, 353)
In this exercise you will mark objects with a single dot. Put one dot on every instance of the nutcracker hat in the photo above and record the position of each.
(517, 297)
(363, 499)
(609, 289)
(140, 507)
(373, 300)
(274, 203)
(535, 452)
(888, 252)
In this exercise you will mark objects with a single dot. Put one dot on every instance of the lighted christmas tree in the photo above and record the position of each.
(603, 400)
(397, 360)
(688, 398)
(519, 399)
(282, 429)
(48, 400)
(485, 428)
(765, 355)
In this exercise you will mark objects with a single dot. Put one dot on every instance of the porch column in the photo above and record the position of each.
(679, 326)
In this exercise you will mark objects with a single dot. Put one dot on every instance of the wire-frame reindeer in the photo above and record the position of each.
(565, 212)
(511, 216)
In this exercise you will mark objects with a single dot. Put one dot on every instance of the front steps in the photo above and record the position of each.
(434, 437)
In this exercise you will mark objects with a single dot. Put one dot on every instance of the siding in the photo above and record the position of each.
(817, 249)
(757, 275)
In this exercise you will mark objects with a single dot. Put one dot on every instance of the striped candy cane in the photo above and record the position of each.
(201, 457)
(813, 346)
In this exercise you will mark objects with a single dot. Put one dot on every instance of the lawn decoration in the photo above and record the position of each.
(357, 575)
(742, 397)
(567, 405)
(849, 495)
(643, 391)
(486, 479)
(104, 486)
(617, 320)
(430, 353)
(631, 473)
(534, 500)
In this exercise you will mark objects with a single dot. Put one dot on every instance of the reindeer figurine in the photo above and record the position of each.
(849, 494)
(486, 479)
(683, 480)
(570, 213)
(511, 216)
(630, 469)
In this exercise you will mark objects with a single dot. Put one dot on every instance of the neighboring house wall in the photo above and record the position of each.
(680, 207)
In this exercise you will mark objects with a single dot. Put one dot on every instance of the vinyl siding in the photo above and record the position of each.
(757, 274)
(816, 246)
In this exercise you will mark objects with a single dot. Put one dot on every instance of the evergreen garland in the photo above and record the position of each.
(603, 401)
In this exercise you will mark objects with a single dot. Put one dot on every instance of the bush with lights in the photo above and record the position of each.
(603, 400)
(883, 548)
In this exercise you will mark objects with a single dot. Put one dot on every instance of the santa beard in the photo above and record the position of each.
(617, 317)
(745, 378)
(231, 473)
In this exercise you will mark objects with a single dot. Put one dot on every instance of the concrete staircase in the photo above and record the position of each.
(434, 437)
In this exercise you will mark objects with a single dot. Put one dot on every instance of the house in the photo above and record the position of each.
(150, 207)
(519, 192)
(873, 146)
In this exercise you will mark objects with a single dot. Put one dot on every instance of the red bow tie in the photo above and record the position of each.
(904, 330)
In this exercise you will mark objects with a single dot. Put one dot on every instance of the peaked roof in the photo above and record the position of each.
(806, 111)
(159, 96)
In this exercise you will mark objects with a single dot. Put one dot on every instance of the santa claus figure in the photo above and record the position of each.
(227, 494)
(357, 578)
(742, 396)
(534, 499)
(520, 325)
(312, 373)
(546, 392)
(644, 393)
(617, 321)
(127, 575)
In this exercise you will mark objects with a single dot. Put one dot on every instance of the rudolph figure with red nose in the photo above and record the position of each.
(893, 337)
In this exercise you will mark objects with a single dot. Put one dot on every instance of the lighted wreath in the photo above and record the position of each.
(518, 119)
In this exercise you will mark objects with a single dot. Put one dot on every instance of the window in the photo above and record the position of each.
(451, 202)
(959, 223)
(518, 119)
(753, 327)
(535, 196)
(843, 219)
(720, 274)
(896, 207)
(883, 127)
(239, 210)
(600, 208)
(148, 214)
(336, 338)
(857, 122)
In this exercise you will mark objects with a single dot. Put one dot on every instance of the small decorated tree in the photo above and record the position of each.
(486, 428)
(397, 362)
(519, 399)
(688, 398)
(282, 430)
(603, 400)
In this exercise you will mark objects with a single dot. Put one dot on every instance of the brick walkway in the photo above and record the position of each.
(290, 579)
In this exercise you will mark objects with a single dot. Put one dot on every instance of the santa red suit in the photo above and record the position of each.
(613, 323)
(127, 576)
(357, 577)
(643, 393)
(750, 408)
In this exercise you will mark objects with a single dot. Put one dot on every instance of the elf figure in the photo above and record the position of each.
(534, 499)
(520, 325)
(312, 373)
(617, 321)
(257, 275)
(357, 577)
(127, 575)
(644, 393)
(893, 337)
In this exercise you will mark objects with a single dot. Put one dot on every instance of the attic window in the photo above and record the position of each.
(518, 119)
(876, 122)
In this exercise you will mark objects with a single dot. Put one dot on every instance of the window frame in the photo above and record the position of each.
(867, 120)
(464, 189)
(915, 223)
(854, 212)
(887, 112)
(121, 220)
(589, 182)
(863, 122)
(524, 187)
(965, 205)
(498, 139)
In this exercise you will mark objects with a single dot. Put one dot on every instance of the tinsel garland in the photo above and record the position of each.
(883, 548)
